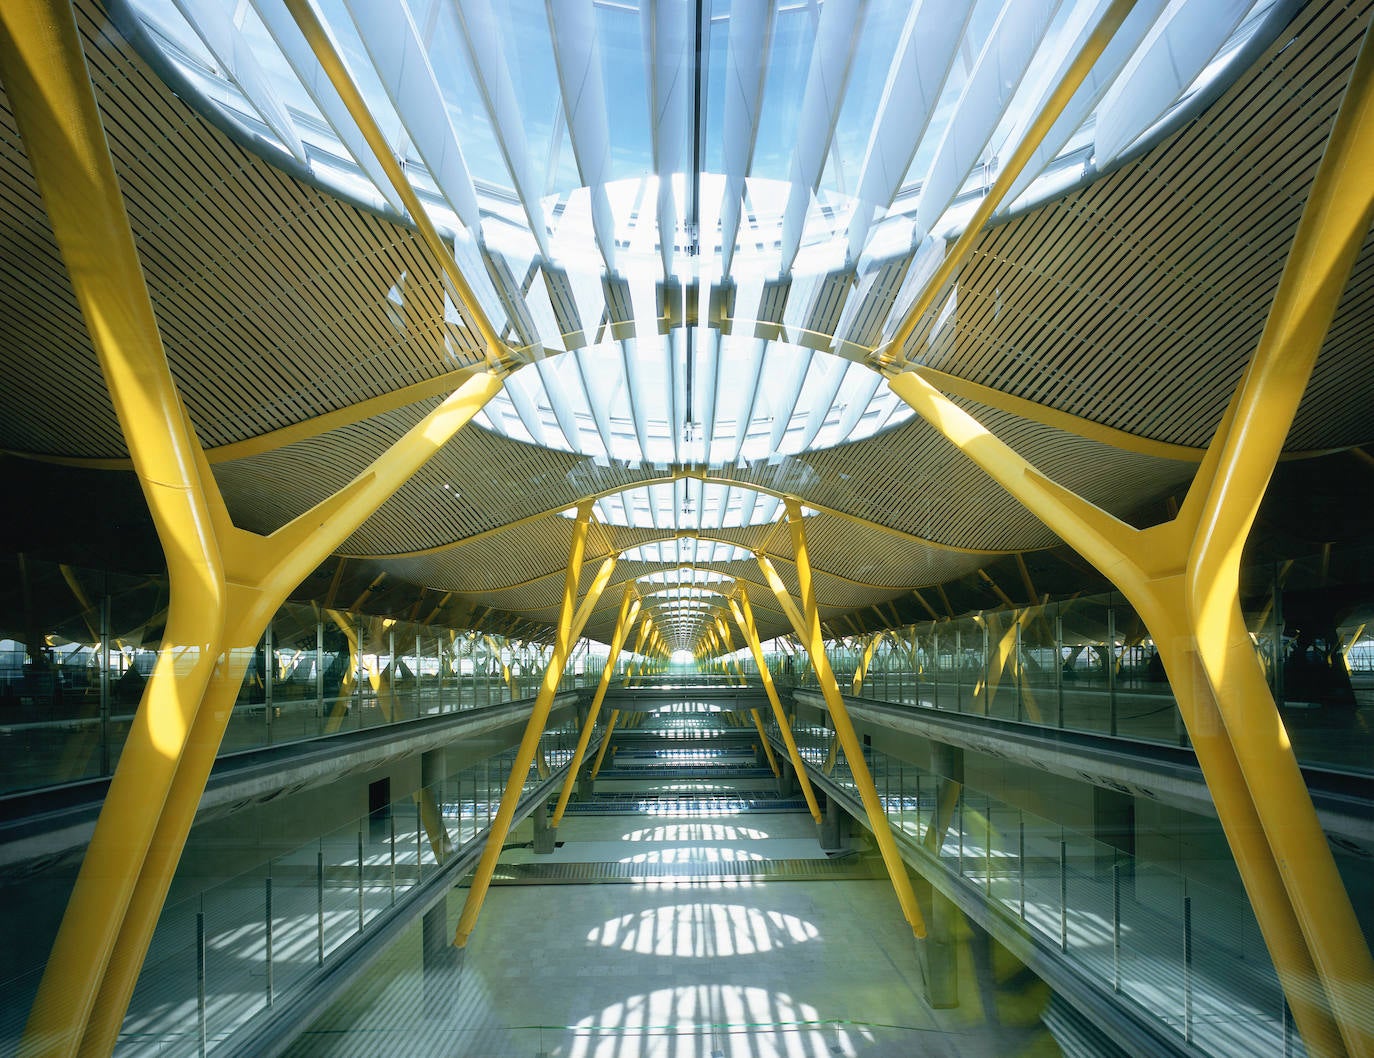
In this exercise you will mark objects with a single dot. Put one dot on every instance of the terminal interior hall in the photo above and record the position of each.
(687, 528)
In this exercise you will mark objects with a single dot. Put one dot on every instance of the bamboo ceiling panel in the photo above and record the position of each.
(1137, 300)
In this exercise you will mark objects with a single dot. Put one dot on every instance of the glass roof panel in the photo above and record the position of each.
(688, 550)
(700, 237)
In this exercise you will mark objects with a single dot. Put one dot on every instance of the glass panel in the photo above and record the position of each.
(1085, 655)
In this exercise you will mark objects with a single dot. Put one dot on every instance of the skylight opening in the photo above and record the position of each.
(815, 173)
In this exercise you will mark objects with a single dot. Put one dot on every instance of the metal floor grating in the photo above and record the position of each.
(650, 804)
(852, 867)
(678, 771)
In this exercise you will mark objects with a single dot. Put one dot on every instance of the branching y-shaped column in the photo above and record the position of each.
(1182, 577)
(629, 610)
(744, 618)
(572, 618)
(807, 624)
(225, 582)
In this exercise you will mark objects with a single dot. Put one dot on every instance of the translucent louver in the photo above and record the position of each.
(698, 240)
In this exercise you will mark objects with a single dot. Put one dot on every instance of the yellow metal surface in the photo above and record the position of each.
(744, 618)
(605, 742)
(569, 629)
(763, 741)
(1335, 223)
(333, 65)
(861, 669)
(1106, 27)
(625, 619)
(225, 583)
(808, 627)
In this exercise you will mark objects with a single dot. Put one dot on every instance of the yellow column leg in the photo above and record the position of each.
(629, 609)
(808, 626)
(861, 670)
(744, 618)
(218, 574)
(645, 625)
(1335, 223)
(763, 740)
(571, 619)
(605, 742)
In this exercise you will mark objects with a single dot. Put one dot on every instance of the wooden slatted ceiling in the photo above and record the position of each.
(270, 295)
(1134, 302)
(1137, 300)
(54, 398)
(1337, 407)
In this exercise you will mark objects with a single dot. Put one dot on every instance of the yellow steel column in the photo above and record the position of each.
(744, 617)
(571, 619)
(48, 86)
(225, 583)
(753, 713)
(1146, 565)
(808, 626)
(729, 641)
(1335, 223)
(605, 742)
(1283, 857)
(629, 610)
(861, 670)
(646, 623)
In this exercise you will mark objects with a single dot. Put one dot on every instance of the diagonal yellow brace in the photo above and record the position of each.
(861, 670)
(744, 618)
(605, 742)
(1039, 128)
(568, 632)
(225, 582)
(629, 610)
(1334, 226)
(645, 625)
(337, 72)
(808, 627)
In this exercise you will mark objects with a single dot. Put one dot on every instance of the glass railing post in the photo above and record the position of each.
(362, 908)
(1109, 659)
(105, 755)
(1063, 891)
(269, 673)
(267, 922)
(319, 673)
(1059, 665)
(200, 980)
(1116, 925)
(319, 905)
(1021, 863)
(1187, 963)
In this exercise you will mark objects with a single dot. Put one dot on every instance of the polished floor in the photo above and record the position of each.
(678, 968)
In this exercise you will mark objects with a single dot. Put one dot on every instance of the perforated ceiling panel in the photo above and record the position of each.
(1132, 302)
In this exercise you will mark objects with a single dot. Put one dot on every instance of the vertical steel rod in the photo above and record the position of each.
(319, 908)
(987, 820)
(267, 921)
(1187, 964)
(1116, 926)
(1063, 892)
(360, 877)
(1021, 858)
(200, 979)
(269, 666)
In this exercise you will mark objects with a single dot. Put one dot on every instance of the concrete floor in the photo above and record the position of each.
(674, 969)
